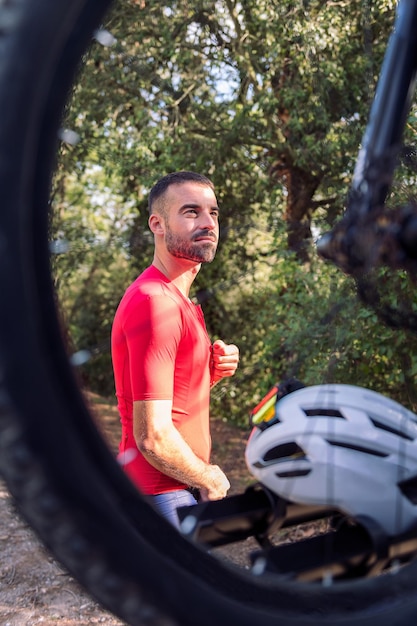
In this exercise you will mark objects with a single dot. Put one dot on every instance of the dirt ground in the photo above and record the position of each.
(35, 589)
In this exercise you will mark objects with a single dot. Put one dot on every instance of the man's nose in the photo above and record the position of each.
(208, 221)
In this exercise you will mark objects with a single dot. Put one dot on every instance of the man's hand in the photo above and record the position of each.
(224, 360)
(217, 484)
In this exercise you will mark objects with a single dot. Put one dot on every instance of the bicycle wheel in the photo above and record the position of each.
(59, 470)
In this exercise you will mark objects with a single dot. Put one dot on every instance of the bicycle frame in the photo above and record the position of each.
(368, 235)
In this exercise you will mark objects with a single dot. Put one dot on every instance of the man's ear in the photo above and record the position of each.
(156, 224)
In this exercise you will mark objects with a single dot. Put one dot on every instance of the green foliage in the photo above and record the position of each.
(91, 265)
(270, 99)
(309, 323)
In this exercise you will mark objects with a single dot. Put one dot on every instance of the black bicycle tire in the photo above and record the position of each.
(60, 472)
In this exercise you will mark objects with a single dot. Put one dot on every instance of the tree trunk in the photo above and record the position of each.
(301, 186)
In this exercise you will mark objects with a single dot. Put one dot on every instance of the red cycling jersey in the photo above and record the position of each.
(161, 351)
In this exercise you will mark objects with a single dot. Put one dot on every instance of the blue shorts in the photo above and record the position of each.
(167, 503)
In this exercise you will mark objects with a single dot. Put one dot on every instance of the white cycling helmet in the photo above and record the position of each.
(341, 446)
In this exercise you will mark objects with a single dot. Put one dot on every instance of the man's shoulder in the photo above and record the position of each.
(150, 281)
(152, 284)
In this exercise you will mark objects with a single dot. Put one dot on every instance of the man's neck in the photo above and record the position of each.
(180, 272)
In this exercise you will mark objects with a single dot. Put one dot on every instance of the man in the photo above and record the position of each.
(163, 360)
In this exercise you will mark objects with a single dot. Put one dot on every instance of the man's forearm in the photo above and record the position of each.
(163, 446)
(170, 454)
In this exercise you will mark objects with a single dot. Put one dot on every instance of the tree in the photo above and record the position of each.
(275, 94)
(270, 100)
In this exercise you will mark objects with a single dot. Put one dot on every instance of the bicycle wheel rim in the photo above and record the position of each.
(54, 462)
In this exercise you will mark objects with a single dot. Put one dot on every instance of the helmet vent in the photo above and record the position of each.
(323, 413)
(363, 449)
(390, 429)
(294, 473)
(409, 489)
(285, 452)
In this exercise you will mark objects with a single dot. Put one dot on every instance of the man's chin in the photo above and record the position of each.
(200, 259)
(203, 256)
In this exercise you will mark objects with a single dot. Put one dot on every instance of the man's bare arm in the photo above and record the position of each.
(163, 447)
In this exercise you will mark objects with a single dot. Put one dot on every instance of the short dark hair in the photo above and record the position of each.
(175, 178)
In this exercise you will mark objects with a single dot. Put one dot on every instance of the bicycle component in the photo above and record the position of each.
(360, 242)
(233, 519)
(341, 446)
(368, 234)
(258, 512)
(359, 548)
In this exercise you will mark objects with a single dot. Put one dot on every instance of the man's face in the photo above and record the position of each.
(191, 222)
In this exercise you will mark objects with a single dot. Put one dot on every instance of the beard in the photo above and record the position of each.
(199, 252)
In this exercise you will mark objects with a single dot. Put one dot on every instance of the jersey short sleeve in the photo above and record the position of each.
(152, 329)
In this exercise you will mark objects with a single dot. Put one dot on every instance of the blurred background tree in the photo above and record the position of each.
(269, 98)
